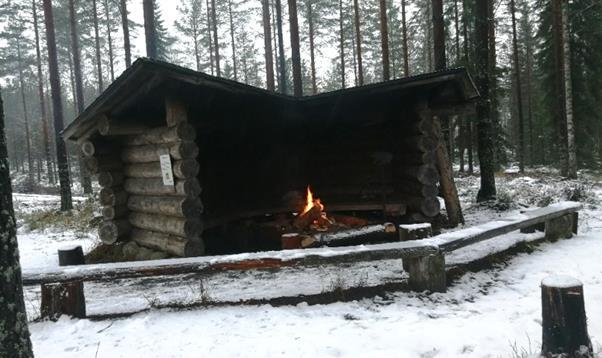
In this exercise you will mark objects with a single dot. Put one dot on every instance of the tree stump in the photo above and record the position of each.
(73, 255)
(63, 298)
(564, 323)
(427, 273)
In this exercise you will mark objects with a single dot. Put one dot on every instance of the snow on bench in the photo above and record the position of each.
(424, 259)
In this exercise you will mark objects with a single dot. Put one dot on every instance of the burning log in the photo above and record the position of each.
(164, 135)
(186, 207)
(350, 221)
(151, 152)
(174, 245)
(152, 186)
(368, 234)
(304, 220)
(166, 224)
(182, 169)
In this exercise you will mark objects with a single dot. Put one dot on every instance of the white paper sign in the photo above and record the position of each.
(166, 171)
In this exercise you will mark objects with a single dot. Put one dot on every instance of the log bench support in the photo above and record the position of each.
(560, 228)
(427, 273)
(63, 298)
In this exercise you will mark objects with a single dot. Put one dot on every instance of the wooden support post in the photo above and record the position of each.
(559, 228)
(415, 231)
(73, 255)
(63, 298)
(575, 217)
(427, 273)
(564, 323)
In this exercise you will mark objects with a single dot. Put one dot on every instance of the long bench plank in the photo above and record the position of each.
(457, 239)
(212, 264)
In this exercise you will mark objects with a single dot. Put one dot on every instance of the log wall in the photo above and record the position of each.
(137, 205)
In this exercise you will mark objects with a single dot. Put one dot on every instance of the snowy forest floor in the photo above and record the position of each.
(494, 312)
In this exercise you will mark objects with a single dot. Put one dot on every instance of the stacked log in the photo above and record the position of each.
(163, 216)
(416, 175)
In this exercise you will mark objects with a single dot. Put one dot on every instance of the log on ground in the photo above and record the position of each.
(112, 231)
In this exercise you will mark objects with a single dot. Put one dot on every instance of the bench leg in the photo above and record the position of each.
(560, 228)
(575, 217)
(63, 298)
(427, 273)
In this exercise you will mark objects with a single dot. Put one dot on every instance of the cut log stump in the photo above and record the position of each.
(63, 298)
(564, 323)
(427, 273)
(73, 255)
(559, 228)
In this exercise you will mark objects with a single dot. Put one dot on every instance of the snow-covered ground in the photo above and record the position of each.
(491, 313)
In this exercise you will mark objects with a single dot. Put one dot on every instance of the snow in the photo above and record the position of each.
(413, 227)
(561, 281)
(489, 313)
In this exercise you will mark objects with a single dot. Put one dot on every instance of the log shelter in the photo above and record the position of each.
(187, 161)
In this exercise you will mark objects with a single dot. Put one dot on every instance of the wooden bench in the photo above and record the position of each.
(62, 288)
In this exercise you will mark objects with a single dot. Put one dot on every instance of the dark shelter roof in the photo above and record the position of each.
(138, 95)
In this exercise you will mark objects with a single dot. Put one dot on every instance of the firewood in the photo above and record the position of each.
(155, 186)
(151, 152)
(166, 205)
(182, 169)
(350, 221)
(186, 228)
(368, 234)
(302, 221)
(112, 231)
(164, 135)
(174, 245)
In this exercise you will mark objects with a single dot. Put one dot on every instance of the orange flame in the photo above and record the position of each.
(310, 202)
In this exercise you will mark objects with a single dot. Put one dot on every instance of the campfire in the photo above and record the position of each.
(314, 227)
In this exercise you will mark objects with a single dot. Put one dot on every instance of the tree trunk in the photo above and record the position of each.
(233, 43)
(468, 122)
(519, 89)
(44, 115)
(14, 339)
(97, 44)
(126, 33)
(384, 39)
(218, 71)
(568, 93)
(109, 40)
(438, 35)
(267, 38)
(457, 31)
(404, 34)
(312, 59)
(493, 84)
(295, 50)
(341, 44)
(149, 28)
(281, 58)
(275, 44)
(57, 104)
(484, 125)
(79, 88)
(30, 168)
(211, 62)
(358, 42)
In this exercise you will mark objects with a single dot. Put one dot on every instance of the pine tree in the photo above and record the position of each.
(267, 37)
(295, 48)
(384, 39)
(123, 10)
(189, 24)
